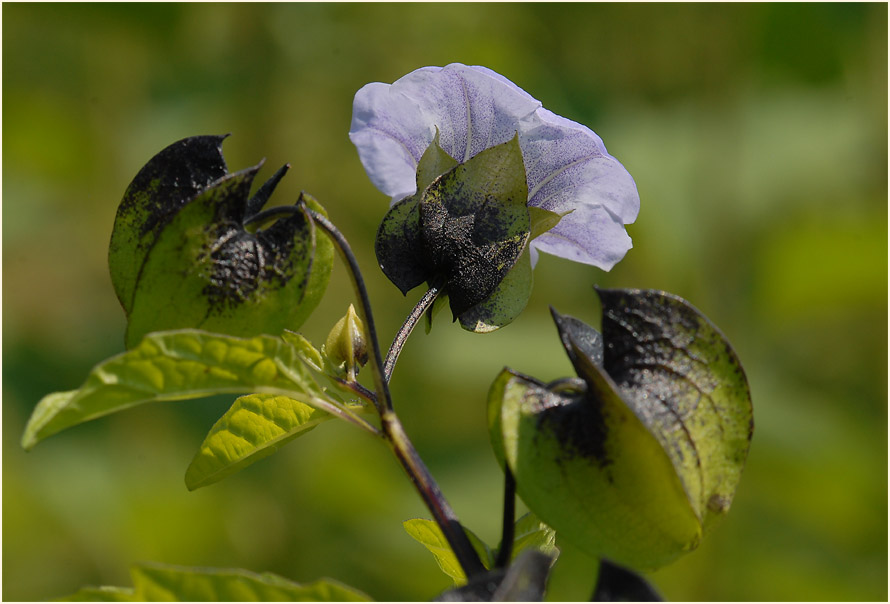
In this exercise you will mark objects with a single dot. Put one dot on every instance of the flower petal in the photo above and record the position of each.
(590, 235)
(569, 170)
(568, 166)
(391, 134)
(474, 109)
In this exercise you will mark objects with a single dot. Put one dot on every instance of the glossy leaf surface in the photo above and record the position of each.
(427, 533)
(255, 426)
(180, 365)
(529, 533)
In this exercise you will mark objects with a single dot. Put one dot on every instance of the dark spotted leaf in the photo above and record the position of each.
(466, 230)
(206, 271)
(592, 471)
(259, 199)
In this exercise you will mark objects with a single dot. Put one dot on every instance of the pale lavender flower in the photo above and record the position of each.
(568, 170)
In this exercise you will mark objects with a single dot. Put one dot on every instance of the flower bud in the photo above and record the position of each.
(345, 349)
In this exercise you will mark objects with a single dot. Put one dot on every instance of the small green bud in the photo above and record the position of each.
(345, 349)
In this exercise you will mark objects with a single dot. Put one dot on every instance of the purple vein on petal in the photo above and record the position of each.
(556, 173)
(463, 87)
(398, 140)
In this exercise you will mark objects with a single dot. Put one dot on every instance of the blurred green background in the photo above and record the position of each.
(757, 135)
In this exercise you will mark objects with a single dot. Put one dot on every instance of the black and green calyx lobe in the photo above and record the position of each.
(181, 256)
(640, 456)
(465, 230)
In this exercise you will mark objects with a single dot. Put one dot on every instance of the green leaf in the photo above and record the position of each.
(181, 257)
(308, 353)
(168, 583)
(505, 303)
(256, 426)
(102, 594)
(180, 365)
(475, 224)
(169, 180)
(529, 533)
(427, 533)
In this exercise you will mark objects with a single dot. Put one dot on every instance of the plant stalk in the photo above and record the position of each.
(408, 326)
(390, 424)
(425, 484)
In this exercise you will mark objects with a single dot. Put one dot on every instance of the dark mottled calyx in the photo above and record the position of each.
(170, 179)
(465, 228)
(173, 177)
(577, 423)
(244, 263)
(470, 238)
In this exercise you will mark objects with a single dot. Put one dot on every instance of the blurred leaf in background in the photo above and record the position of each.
(757, 135)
